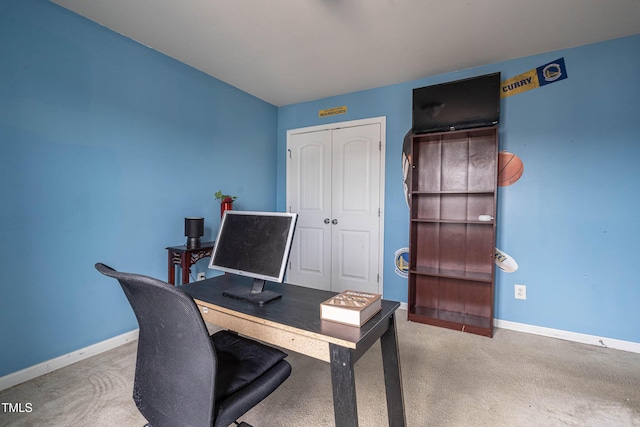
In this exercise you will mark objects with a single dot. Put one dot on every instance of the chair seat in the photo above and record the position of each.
(241, 361)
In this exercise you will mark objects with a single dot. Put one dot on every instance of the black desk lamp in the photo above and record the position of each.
(193, 229)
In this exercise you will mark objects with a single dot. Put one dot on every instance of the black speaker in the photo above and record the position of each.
(193, 229)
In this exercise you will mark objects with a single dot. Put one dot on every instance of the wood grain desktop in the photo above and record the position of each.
(293, 322)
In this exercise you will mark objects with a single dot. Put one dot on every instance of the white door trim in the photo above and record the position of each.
(382, 120)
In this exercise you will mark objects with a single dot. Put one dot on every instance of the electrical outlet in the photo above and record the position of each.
(521, 291)
(201, 276)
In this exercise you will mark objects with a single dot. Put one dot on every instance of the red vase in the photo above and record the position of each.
(226, 203)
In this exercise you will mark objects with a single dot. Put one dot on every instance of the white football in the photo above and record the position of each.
(505, 262)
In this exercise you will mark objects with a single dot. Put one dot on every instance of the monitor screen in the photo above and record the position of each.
(461, 104)
(254, 244)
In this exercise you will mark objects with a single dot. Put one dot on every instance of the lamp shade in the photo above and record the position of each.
(193, 229)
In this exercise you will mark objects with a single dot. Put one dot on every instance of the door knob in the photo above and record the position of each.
(326, 220)
(334, 222)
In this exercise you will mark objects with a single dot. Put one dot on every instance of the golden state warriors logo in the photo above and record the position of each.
(552, 72)
(402, 262)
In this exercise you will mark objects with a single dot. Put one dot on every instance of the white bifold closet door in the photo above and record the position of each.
(334, 184)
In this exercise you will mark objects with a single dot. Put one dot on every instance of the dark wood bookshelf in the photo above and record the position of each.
(451, 250)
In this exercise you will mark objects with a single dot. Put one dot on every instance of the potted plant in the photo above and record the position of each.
(226, 201)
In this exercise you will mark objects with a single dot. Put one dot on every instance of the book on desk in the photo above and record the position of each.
(351, 307)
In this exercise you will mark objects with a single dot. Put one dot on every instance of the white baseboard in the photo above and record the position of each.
(630, 346)
(633, 347)
(35, 371)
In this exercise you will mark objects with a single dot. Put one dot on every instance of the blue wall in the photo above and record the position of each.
(106, 146)
(570, 221)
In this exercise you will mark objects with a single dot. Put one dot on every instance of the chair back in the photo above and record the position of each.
(175, 368)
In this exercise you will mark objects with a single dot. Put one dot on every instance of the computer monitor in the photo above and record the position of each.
(257, 245)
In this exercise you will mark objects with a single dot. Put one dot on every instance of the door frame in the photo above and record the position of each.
(382, 121)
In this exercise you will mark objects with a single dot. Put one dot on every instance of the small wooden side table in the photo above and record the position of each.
(185, 257)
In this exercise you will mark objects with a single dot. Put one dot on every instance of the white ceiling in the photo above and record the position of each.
(290, 51)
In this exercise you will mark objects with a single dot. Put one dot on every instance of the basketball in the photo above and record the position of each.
(510, 168)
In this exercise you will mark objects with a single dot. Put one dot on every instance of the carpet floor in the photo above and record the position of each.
(449, 379)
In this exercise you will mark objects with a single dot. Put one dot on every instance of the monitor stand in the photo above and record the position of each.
(256, 294)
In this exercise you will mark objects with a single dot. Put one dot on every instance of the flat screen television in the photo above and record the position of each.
(257, 245)
(461, 104)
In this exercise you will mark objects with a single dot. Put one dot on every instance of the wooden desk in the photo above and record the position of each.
(185, 257)
(293, 322)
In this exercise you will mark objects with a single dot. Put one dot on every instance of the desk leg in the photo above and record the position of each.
(344, 386)
(172, 269)
(392, 376)
(185, 265)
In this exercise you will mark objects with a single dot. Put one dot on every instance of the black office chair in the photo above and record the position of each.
(184, 377)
